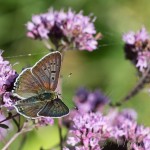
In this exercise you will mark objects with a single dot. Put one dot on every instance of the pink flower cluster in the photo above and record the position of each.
(7, 78)
(92, 131)
(66, 28)
(44, 121)
(125, 128)
(89, 129)
(86, 101)
(137, 48)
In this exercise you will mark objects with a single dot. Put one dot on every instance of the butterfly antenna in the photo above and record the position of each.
(140, 85)
(69, 74)
(59, 94)
(63, 82)
(25, 55)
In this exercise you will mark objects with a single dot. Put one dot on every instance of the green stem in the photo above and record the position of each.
(60, 134)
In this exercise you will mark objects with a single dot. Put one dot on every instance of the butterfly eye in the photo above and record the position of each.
(53, 78)
(20, 108)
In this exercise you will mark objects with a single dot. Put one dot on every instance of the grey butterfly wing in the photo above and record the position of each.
(26, 84)
(47, 70)
(54, 108)
(29, 107)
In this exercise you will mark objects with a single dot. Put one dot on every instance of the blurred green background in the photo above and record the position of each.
(104, 68)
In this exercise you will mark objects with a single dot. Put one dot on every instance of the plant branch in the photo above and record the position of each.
(23, 130)
(139, 86)
(60, 134)
(16, 123)
(10, 116)
(11, 140)
(22, 142)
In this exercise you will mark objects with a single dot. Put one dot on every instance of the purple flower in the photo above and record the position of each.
(128, 113)
(142, 35)
(141, 138)
(143, 60)
(146, 142)
(132, 37)
(137, 48)
(122, 123)
(43, 32)
(85, 148)
(43, 121)
(125, 128)
(65, 148)
(129, 38)
(94, 130)
(88, 130)
(7, 78)
(87, 101)
(7, 100)
(70, 29)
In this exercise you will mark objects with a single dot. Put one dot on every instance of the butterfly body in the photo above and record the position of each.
(36, 88)
(45, 97)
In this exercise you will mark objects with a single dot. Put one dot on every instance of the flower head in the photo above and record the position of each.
(43, 121)
(70, 29)
(142, 61)
(140, 140)
(88, 130)
(115, 129)
(7, 78)
(125, 128)
(129, 38)
(87, 101)
(137, 48)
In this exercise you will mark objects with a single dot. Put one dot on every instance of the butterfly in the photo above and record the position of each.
(36, 87)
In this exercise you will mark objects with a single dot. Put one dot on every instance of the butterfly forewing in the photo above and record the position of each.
(55, 108)
(47, 70)
(26, 84)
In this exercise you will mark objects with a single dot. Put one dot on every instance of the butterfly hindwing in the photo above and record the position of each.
(29, 110)
(26, 84)
(54, 108)
(47, 70)
(29, 107)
